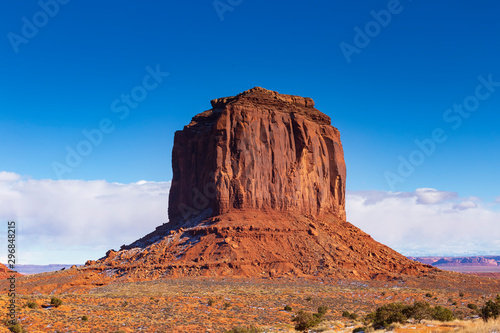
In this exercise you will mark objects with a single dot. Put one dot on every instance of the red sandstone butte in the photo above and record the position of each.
(258, 190)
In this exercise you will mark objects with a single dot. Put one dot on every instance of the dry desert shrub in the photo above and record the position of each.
(305, 320)
(32, 305)
(56, 302)
(479, 326)
(329, 326)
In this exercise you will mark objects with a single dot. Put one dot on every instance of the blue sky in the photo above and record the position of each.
(65, 76)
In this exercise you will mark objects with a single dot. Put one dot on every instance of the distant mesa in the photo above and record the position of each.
(258, 190)
(21, 270)
(468, 261)
(461, 262)
(35, 269)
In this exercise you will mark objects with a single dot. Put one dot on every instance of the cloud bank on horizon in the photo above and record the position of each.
(71, 221)
(427, 221)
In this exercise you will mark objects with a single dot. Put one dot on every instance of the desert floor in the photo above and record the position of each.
(217, 305)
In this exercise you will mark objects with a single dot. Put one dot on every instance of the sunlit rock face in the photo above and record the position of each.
(258, 150)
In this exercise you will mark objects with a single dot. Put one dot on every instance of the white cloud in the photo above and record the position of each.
(8, 176)
(465, 205)
(70, 221)
(423, 196)
(426, 221)
(430, 196)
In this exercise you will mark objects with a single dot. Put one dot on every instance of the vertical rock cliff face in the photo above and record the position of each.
(257, 150)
